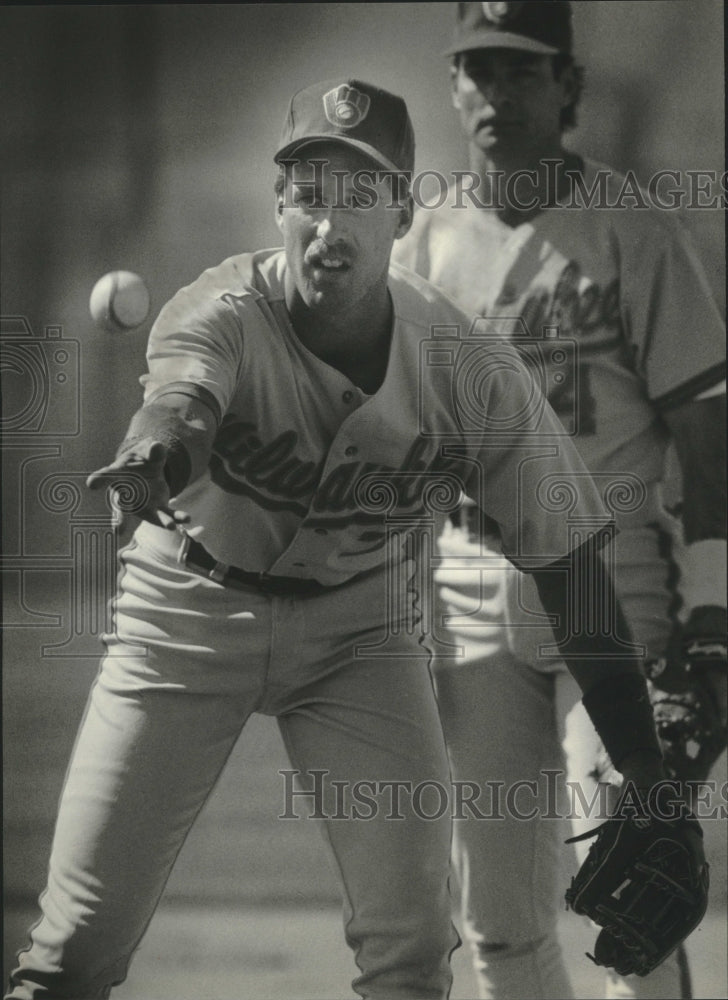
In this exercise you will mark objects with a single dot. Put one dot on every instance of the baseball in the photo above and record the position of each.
(119, 301)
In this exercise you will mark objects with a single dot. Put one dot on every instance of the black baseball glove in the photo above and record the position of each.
(645, 883)
(687, 690)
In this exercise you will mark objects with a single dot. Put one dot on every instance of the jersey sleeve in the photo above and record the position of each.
(531, 481)
(671, 320)
(196, 348)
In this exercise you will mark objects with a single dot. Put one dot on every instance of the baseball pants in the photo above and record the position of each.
(509, 722)
(188, 663)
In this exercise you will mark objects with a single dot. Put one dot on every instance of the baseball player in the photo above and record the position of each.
(617, 312)
(288, 422)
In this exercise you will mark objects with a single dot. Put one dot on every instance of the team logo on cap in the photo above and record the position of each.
(345, 106)
(499, 13)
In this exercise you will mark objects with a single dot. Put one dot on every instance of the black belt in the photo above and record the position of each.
(199, 559)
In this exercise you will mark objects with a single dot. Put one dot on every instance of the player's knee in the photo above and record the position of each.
(495, 950)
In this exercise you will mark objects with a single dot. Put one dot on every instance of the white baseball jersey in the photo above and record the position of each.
(298, 480)
(633, 309)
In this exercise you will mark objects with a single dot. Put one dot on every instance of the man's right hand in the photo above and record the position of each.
(139, 485)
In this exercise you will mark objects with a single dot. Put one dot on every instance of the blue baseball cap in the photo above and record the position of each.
(352, 113)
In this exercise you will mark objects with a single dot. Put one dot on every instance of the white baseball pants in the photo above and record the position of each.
(508, 722)
(159, 726)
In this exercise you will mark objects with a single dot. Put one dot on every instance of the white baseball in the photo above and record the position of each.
(119, 301)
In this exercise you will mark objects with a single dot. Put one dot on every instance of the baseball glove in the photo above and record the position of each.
(645, 883)
(689, 709)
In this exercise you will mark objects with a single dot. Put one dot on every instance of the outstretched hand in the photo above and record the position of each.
(139, 485)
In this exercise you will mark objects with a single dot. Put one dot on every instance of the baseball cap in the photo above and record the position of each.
(542, 26)
(352, 113)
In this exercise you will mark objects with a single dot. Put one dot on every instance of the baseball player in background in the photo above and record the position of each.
(286, 416)
(617, 308)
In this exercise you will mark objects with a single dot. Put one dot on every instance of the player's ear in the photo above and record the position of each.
(280, 192)
(569, 80)
(454, 95)
(406, 214)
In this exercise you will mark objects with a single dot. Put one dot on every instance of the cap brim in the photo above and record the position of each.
(341, 140)
(501, 40)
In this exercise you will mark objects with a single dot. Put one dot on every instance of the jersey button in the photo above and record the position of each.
(348, 396)
(351, 450)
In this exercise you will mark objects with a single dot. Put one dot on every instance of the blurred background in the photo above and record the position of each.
(141, 137)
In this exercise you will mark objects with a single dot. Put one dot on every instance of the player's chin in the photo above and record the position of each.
(326, 289)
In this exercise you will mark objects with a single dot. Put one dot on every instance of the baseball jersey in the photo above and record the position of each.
(310, 477)
(617, 311)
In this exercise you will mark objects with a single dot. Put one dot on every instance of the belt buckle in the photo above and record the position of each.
(184, 548)
(218, 572)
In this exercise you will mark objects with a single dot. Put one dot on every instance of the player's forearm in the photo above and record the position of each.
(594, 640)
(590, 630)
(185, 427)
(698, 429)
(699, 432)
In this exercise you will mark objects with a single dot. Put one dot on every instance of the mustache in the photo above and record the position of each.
(339, 250)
